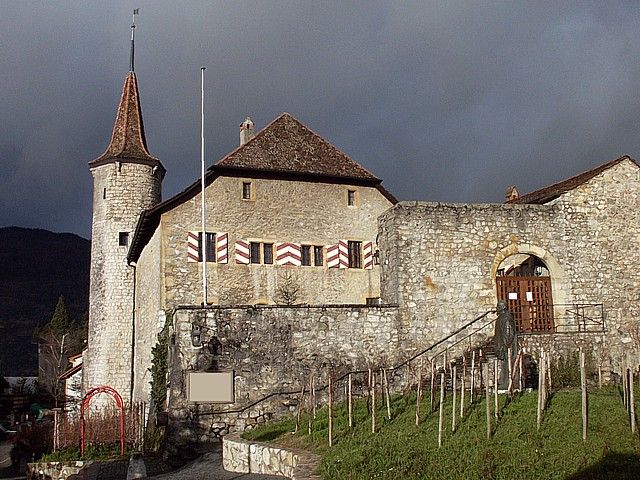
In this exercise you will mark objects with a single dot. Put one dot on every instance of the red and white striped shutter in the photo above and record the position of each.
(333, 256)
(343, 250)
(367, 255)
(242, 252)
(288, 254)
(222, 247)
(192, 246)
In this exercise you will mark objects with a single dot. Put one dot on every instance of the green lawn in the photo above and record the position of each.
(400, 450)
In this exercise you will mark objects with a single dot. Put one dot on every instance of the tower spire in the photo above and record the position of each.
(132, 51)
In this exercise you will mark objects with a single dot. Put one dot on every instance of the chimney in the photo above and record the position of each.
(511, 193)
(247, 131)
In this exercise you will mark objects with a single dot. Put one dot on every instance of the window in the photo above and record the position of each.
(261, 253)
(355, 254)
(267, 250)
(305, 252)
(104, 193)
(351, 198)
(210, 248)
(123, 239)
(246, 190)
(254, 252)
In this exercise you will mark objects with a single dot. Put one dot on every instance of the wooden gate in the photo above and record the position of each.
(530, 301)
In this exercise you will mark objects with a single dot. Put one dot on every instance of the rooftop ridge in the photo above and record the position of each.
(553, 191)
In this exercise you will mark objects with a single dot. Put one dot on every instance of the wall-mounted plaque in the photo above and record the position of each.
(210, 387)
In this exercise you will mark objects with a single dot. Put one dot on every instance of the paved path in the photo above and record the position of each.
(209, 467)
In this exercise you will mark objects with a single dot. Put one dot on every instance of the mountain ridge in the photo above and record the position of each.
(37, 267)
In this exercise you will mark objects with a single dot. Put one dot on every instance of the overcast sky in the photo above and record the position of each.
(445, 101)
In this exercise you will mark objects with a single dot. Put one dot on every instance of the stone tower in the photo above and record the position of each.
(126, 180)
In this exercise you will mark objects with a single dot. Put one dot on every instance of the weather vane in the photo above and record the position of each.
(136, 11)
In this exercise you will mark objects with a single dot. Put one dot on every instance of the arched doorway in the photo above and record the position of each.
(524, 282)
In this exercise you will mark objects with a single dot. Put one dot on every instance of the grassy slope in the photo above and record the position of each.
(400, 450)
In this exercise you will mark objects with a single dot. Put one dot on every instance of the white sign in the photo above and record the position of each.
(529, 296)
(513, 295)
(210, 387)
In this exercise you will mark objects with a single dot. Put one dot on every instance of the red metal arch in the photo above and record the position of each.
(85, 403)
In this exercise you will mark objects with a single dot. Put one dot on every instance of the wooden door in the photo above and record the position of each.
(530, 301)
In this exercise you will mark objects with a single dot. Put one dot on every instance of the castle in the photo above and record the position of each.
(311, 262)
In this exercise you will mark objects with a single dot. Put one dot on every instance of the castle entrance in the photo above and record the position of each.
(524, 282)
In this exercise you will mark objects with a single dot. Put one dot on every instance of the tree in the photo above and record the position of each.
(57, 341)
(60, 322)
(288, 288)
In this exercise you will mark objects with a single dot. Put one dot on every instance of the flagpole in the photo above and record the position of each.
(203, 243)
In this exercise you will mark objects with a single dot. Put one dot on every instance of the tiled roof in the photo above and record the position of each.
(288, 146)
(552, 192)
(128, 142)
(284, 149)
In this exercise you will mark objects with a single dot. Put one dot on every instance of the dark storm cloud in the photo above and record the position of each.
(449, 101)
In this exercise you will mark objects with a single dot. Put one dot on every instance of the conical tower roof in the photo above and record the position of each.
(128, 142)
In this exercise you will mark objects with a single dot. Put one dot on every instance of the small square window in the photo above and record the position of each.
(268, 253)
(306, 255)
(318, 256)
(254, 252)
(246, 190)
(351, 198)
(123, 239)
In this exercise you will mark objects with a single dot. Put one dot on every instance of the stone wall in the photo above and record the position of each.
(242, 456)
(439, 261)
(121, 192)
(149, 314)
(272, 349)
(280, 211)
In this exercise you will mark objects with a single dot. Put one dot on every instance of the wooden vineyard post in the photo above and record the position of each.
(487, 399)
(373, 402)
(599, 377)
(310, 407)
(472, 381)
(330, 408)
(510, 360)
(418, 393)
(441, 417)
(369, 387)
(583, 384)
(313, 395)
(454, 385)
(350, 401)
(632, 401)
(548, 369)
(495, 387)
(386, 392)
(433, 394)
(513, 374)
(520, 371)
(299, 409)
(464, 373)
(540, 388)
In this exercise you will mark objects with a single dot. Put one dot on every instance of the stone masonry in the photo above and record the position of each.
(272, 349)
(281, 211)
(130, 188)
(439, 261)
